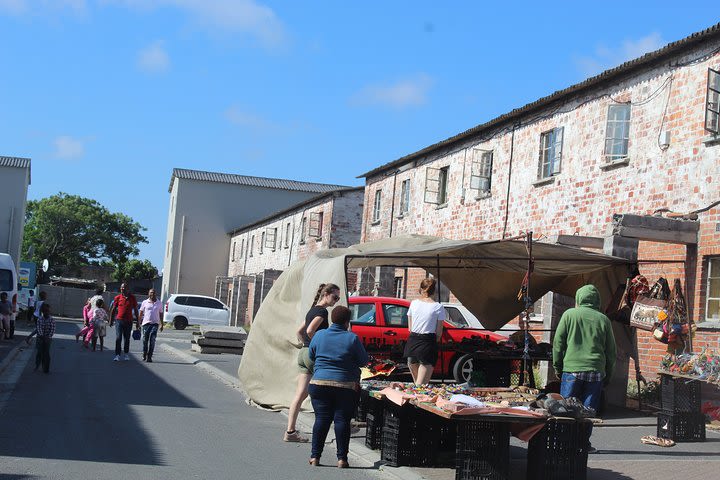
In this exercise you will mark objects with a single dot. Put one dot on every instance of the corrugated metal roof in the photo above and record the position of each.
(605, 77)
(297, 206)
(232, 178)
(17, 162)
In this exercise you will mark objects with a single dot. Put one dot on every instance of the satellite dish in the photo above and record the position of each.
(45, 265)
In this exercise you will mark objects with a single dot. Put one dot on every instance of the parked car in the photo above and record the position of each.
(184, 309)
(382, 325)
(9, 279)
(461, 317)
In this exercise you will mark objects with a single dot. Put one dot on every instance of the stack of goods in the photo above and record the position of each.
(513, 347)
(377, 368)
(704, 365)
(680, 419)
(219, 339)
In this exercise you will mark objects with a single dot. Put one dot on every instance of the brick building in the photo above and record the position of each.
(260, 251)
(640, 139)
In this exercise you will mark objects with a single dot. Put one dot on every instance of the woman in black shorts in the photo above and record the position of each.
(425, 321)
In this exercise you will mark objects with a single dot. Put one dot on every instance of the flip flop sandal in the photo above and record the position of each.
(660, 442)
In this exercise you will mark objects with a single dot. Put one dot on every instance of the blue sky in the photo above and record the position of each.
(107, 96)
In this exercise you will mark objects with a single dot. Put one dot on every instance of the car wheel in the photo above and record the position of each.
(180, 323)
(463, 369)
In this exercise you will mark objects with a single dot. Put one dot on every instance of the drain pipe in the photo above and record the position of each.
(507, 196)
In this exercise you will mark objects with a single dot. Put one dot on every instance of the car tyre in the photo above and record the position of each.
(180, 323)
(463, 368)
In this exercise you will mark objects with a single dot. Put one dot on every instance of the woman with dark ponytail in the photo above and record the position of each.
(316, 319)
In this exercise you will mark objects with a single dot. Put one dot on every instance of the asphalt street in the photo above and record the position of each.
(92, 418)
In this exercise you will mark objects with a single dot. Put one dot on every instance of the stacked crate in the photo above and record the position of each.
(680, 419)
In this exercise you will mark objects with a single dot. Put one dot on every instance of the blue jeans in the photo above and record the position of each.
(332, 404)
(122, 331)
(149, 333)
(587, 392)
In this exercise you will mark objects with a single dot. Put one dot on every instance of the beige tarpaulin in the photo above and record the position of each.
(484, 276)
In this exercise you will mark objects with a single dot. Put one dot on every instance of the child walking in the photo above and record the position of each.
(99, 321)
(45, 331)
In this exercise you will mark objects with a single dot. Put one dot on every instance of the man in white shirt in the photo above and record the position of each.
(150, 314)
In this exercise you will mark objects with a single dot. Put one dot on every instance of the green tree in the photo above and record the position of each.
(135, 269)
(76, 231)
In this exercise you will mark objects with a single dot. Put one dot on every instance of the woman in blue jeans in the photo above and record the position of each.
(338, 355)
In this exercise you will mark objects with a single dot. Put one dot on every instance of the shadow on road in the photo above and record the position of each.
(86, 407)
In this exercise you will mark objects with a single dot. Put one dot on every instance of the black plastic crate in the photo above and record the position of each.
(679, 395)
(483, 450)
(406, 440)
(362, 407)
(681, 427)
(443, 441)
(373, 431)
(559, 451)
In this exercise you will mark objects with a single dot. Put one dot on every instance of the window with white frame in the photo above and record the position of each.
(271, 238)
(481, 171)
(376, 206)
(287, 235)
(712, 302)
(262, 243)
(551, 144)
(404, 197)
(436, 185)
(316, 224)
(712, 107)
(617, 132)
(303, 225)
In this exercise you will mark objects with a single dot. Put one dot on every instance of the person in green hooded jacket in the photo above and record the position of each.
(584, 349)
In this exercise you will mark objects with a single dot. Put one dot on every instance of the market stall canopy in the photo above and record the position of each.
(485, 276)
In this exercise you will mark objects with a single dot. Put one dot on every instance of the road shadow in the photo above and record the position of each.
(85, 409)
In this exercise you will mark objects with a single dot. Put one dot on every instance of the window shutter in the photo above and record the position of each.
(557, 150)
(315, 229)
(712, 104)
(432, 185)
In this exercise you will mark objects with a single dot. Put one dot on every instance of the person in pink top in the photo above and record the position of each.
(87, 324)
(150, 315)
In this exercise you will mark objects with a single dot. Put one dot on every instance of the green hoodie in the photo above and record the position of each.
(584, 340)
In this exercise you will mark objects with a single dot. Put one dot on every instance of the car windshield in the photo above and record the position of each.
(6, 280)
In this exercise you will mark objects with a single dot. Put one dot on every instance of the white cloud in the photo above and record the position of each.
(153, 58)
(233, 16)
(405, 93)
(21, 7)
(606, 57)
(68, 148)
(251, 121)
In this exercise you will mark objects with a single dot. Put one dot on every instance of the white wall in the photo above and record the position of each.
(210, 211)
(12, 209)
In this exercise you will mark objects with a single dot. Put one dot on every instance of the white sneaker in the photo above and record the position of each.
(116, 358)
(126, 357)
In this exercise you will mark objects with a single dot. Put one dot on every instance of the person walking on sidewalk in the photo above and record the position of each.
(151, 317)
(5, 314)
(584, 350)
(338, 355)
(45, 331)
(36, 315)
(316, 319)
(126, 307)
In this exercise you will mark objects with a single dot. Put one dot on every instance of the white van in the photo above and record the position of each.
(9, 279)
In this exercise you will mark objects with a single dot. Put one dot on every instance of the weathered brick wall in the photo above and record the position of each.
(683, 177)
(341, 226)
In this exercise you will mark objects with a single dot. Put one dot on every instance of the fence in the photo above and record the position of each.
(69, 302)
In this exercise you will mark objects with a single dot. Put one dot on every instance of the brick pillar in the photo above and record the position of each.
(242, 299)
(625, 337)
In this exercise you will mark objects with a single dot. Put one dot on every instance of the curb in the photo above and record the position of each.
(359, 452)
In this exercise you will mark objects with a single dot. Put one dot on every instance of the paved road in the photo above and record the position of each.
(92, 418)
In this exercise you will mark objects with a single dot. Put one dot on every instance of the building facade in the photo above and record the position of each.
(15, 174)
(260, 251)
(204, 207)
(642, 139)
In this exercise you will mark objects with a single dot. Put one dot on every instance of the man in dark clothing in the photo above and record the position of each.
(126, 307)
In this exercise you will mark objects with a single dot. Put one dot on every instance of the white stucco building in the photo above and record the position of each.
(204, 207)
(15, 175)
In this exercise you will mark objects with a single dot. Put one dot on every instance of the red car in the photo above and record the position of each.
(382, 325)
